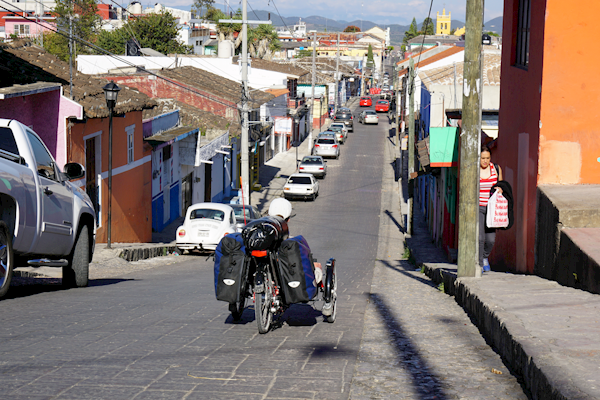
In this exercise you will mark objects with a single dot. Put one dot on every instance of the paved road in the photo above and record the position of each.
(157, 332)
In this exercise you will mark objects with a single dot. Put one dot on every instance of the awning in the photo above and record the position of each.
(209, 150)
(162, 139)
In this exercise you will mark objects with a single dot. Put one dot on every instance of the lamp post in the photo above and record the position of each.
(111, 92)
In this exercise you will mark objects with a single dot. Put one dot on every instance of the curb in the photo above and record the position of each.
(143, 253)
(493, 328)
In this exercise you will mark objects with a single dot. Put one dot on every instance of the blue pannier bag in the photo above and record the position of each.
(230, 268)
(296, 270)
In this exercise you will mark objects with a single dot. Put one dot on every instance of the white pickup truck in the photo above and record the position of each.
(45, 220)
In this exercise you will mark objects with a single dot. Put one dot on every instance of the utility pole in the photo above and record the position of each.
(470, 139)
(312, 104)
(397, 81)
(71, 54)
(337, 73)
(245, 96)
(411, 144)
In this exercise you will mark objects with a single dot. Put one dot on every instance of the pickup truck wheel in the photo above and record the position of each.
(6, 258)
(76, 274)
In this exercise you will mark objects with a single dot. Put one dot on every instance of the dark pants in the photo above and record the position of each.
(487, 236)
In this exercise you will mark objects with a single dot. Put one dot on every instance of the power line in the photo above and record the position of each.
(85, 43)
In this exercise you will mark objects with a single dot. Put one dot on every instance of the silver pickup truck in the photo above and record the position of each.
(45, 220)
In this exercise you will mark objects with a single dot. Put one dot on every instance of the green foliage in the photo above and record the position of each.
(411, 32)
(492, 34)
(352, 28)
(57, 44)
(370, 62)
(228, 28)
(304, 53)
(441, 287)
(155, 31)
(201, 5)
(452, 31)
(86, 23)
(264, 32)
(427, 27)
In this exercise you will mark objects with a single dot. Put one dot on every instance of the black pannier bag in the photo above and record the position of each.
(265, 233)
(230, 268)
(297, 270)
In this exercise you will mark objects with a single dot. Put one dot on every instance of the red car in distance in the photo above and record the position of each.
(382, 106)
(365, 101)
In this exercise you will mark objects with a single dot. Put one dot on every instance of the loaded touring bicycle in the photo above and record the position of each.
(261, 263)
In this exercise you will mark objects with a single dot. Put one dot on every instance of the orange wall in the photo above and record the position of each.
(570, 120)
(132, 192)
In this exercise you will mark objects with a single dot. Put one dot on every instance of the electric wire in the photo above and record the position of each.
(116, 57)
(106, 52)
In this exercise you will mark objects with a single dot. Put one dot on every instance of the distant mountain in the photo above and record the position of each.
(321, 24)
(494, 25)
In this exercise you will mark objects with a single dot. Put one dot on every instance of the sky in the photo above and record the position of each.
(382, 12)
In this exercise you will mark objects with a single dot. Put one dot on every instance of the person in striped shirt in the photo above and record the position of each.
(489, 175)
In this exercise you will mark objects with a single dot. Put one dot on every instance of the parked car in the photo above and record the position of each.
(244, 214)
(301, 185)
(204, 226)
(313, 165)
(382, 106)
(369, 117)
(326, 146)
(339, 134)
(44, 219)
(366, 101)
(344, 115)
(343, 126)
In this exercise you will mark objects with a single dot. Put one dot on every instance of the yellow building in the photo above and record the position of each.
(443, 23)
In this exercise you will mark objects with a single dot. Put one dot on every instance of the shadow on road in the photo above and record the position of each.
(30, 286)
(407, 269)
(395, 221)
(425, 383)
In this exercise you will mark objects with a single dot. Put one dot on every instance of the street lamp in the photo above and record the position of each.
(111, 92)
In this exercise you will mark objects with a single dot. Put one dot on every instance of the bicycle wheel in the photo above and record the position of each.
(331, 287)
(262, 305)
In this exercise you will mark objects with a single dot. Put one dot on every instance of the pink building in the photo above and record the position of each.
(29, 25)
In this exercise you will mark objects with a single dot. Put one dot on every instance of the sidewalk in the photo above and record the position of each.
(547, 333)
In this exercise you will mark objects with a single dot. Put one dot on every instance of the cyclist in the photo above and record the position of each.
(283, 208)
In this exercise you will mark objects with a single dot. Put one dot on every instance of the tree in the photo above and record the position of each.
(411, 32)
(263, 41)
(370, 61)
(427, 27)
(157, 31)
(199, 5)
(352, 28)
(85, 21)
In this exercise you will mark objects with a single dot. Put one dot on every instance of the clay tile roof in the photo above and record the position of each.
(445, 75)
(191, 116)
(277, 92)
(215, 84)
(22, 62)
(273, 66)
(432, 59)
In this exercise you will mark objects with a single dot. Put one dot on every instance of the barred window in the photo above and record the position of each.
(523, 31)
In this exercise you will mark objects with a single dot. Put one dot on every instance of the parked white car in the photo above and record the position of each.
(343, 126)
(301, 185)
(204, 226)
(369, 117)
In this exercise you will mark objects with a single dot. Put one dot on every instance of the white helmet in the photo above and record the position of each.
(280, 207)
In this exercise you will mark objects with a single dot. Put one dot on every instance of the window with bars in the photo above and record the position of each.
(129, 147)
(523, 32)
